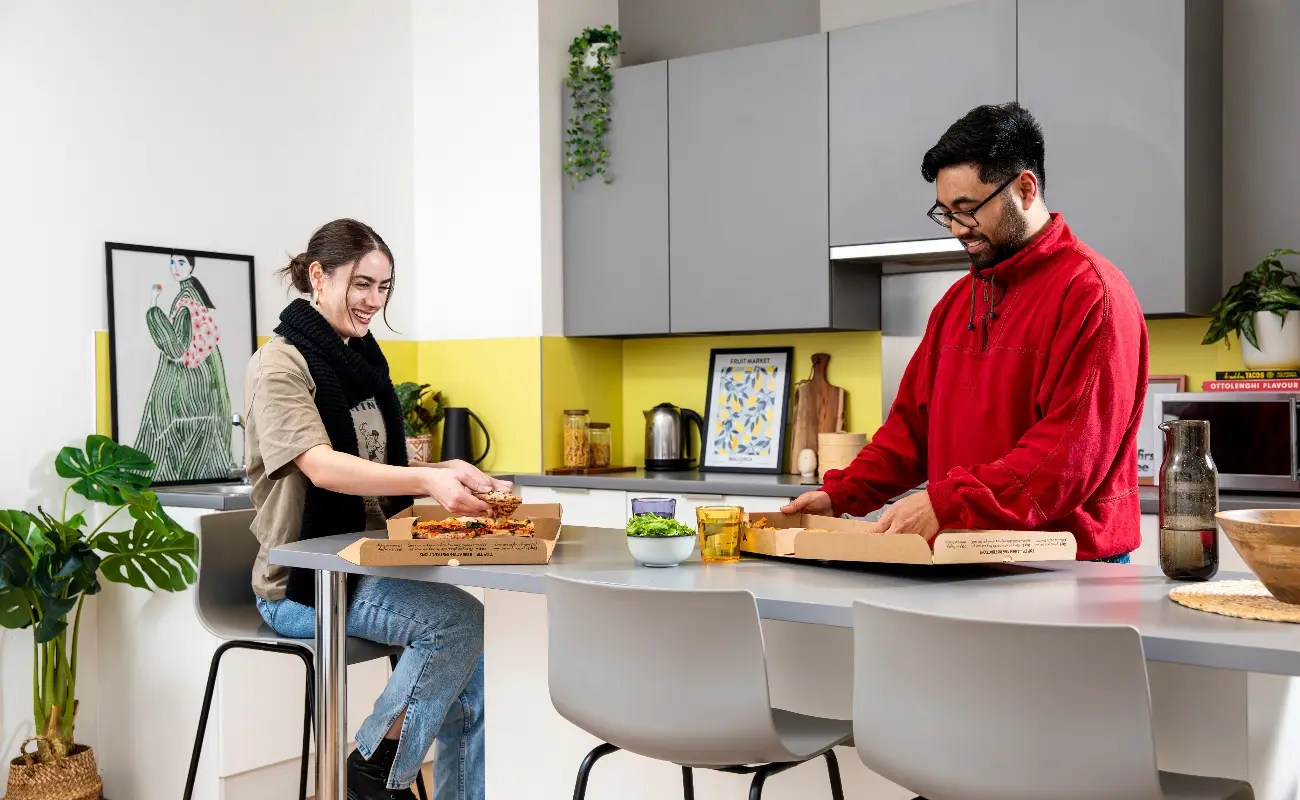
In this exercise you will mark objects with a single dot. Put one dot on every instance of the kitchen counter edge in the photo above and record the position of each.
(790, 486)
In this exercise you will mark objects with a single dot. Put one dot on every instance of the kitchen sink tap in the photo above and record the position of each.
(241, 470)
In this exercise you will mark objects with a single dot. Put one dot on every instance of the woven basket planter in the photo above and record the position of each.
(73, 778)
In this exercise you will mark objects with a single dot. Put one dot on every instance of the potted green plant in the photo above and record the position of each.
(592, 57)
(1264, 309)
(421, 413)
(656, 541)
(48, 566)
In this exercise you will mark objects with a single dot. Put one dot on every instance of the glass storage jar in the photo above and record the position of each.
(600, 442)
(575, 438)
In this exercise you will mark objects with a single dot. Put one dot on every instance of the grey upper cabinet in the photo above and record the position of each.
(616, 234)
(748, 178)
(1130, 99)
(895, 87)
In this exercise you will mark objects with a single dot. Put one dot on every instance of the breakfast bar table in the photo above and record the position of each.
(1056, 592)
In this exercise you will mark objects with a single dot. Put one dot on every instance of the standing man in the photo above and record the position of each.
(1021, 406)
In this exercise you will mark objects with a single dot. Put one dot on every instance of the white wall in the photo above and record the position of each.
(477, 180)
(230, 125)
(488, 79)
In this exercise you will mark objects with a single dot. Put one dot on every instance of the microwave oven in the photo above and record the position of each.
(1252, 436)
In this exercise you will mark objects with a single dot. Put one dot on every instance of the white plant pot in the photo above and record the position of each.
(1279, 342)
(661, 551)
(591, 58)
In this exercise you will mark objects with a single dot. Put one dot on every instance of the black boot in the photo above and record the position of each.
(368, 779)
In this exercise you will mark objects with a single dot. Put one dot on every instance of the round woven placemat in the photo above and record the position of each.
(1243, 599)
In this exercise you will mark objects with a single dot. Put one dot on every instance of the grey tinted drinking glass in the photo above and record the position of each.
(665, 507)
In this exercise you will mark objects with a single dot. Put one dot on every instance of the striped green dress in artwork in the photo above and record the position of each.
(185, 428)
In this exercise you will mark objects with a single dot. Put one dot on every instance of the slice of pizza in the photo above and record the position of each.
(503, 504)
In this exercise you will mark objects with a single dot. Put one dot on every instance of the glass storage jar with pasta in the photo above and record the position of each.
(575, 438)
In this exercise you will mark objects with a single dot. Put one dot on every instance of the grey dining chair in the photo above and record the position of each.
(226, 606)
(701, 696)
(961, 709)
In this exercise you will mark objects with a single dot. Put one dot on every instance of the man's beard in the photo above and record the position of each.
(1004, 240)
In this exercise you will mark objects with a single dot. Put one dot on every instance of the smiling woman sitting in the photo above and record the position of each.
(327, 455)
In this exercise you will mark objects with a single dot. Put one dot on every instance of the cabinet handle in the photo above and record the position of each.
(570, 490)
(717, 497)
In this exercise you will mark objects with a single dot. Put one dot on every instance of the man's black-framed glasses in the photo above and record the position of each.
(965, 218)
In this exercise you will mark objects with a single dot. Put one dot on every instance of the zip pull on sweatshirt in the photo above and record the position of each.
(1030, 422)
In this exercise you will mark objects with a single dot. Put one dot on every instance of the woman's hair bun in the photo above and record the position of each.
(296, 273)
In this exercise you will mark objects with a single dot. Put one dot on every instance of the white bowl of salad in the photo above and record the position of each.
(656, 541)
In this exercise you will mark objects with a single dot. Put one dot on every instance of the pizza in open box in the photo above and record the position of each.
(470, 528)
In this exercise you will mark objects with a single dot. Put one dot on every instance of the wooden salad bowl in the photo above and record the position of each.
(1268, 540)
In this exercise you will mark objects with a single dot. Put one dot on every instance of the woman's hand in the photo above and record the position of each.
(445, 486)
(473, 478)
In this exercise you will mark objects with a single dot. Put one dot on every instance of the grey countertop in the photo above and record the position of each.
(686, 482)
(214, 496)
(1057, 592)
(228, 497)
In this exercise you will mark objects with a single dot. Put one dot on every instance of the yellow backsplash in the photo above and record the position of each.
(581, 374)
(1176, 349)
(677, 370)
(500, 380)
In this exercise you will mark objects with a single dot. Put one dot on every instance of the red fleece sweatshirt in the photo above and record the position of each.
(1022, 403)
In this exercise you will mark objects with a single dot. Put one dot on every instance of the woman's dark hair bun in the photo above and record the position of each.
(296, 273)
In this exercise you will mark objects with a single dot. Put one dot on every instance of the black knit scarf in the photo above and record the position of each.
(345, 375)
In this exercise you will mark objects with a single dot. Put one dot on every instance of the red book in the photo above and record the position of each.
(1251, 386)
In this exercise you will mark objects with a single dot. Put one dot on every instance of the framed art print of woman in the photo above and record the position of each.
(177, 320)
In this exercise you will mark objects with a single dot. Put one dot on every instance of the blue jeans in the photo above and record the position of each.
(439, 679)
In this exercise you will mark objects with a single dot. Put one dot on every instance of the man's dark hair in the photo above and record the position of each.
(1002, 140)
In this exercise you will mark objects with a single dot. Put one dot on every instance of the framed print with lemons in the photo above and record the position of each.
(745, 416)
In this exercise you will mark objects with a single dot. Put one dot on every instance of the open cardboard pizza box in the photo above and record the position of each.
(837, 539)
(401, 549)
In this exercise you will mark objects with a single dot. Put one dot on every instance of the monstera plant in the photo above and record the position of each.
(51, 560)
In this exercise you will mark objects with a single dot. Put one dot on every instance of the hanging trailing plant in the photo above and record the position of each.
(591, 78)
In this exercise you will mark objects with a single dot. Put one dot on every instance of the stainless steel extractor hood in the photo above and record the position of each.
(921, 253)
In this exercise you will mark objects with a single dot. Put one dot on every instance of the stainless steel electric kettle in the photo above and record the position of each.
(668, 439)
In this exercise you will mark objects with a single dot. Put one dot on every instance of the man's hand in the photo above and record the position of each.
(474, 479)
(817, 503)
(912, 514)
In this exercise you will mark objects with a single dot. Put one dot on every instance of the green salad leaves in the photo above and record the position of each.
(651, 525)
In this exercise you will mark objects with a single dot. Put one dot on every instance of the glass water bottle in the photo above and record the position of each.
(1189, 499)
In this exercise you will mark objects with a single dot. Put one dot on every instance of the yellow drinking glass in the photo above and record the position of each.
(719, 533)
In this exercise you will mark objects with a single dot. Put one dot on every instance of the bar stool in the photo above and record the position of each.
(715, 711)
(960, 709)
(227, 608)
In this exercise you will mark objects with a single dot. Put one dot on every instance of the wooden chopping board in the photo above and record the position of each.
(818, 408)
